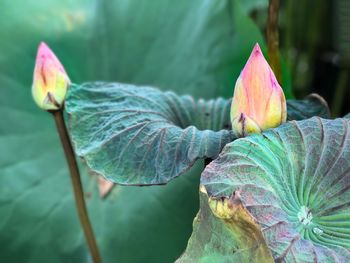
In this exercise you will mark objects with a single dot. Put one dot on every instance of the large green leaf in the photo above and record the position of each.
(294, 181)
(140, 135)
(164, 43)
(39, 222)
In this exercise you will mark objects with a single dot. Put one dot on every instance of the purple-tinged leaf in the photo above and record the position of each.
(295, 182)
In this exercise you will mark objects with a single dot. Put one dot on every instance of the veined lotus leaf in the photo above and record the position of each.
(295, 182)
(142, 136)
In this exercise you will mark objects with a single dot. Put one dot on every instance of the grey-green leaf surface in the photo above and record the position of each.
(200, 43)
(294, 181)
(140, 135)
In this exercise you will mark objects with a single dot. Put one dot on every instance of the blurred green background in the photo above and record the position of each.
(195, 47)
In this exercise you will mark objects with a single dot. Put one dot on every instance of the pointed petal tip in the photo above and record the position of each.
(255, 55)
(257, 49)
(42, 44)
(43, 49)
(46, 55)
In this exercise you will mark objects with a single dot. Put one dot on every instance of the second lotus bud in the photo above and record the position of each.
(258, 102)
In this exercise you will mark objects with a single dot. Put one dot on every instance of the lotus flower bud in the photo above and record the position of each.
(50, 81)
(258, 102)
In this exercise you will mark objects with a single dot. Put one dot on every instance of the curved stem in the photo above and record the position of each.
(77, 185)
(273, 38)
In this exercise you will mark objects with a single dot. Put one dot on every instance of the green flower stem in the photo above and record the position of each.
(77, 185)
(273, 38)
(340, 93)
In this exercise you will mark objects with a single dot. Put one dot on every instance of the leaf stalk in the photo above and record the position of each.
(273, 38)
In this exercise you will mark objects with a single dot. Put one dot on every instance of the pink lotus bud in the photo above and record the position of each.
(50, 81)
(258, 102)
